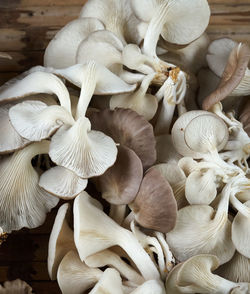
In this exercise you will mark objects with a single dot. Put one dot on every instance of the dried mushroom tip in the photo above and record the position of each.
(3, 236)
(169, 19)
(102, 46)
(94, 231)
(61, 240)
(5, 55)
(127, 128)
(34, 83)
(140, 101)
(23, 203)
(74, 276)
(120, 183)
(10, 140)
(150, 287)
(155, 206)
(109, 283)
(62, 183)
(110, 258)
(69, 38)
(235, 78)
(15, 287)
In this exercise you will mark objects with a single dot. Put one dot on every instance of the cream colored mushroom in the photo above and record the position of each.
(15, 287)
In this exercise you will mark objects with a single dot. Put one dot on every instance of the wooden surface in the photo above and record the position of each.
(26, 26)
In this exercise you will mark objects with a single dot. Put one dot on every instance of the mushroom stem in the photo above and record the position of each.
(117, 213)
(127, 221)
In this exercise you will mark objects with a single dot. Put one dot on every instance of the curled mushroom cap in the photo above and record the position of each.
(232, 77)
(127, 128)
(23, 203)
(61, 240)
(155, 206)
(121, 182)
(61, 51)
(74, 276)
(15, 287)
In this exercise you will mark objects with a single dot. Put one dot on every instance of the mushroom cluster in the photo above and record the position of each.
(144, 124)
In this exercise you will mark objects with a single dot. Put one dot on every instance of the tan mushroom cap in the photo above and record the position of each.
(15, 287)
(121, 182)
(155, 206)
(127, 128)
(23, 203)
(61, 240)
(232, 76)
(61, 50)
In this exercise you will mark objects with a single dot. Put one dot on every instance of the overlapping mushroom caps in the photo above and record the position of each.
(192, 207)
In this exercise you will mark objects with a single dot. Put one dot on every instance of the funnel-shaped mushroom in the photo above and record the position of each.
(155, 206)
(94, 231)
(61, 50)
(178, 22)
(23, 203)
(235, 78)
(199, 229)
(61, 240)
(74, 276)
(121, 182)
(127, 128)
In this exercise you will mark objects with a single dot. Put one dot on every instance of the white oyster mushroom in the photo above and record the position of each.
(92, 224)
(110, 258)
(61, 240)
(62, 182)
(170, 19)
(23, 203)
(74, 276)
(150, 287)
(61, 50)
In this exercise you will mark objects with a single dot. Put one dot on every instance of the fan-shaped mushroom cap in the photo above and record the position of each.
(23, 203)
(127, 128)
(10, 139)
(109, 283)
(86, 153)
(74, 276)
(155, 206)
(143, 103)
(237, 269)
(61, 240)
(171, 20)
(35, 120)
(121, 182)
(102, 46)
(15, 287)
(61, 50)
(234, 79)
(94, 231)
(33, 83)
(62, 182)
(110, 258)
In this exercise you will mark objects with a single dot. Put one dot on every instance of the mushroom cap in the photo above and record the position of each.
(127, 128)
(86, 153)
(10, 139)
(61, 240)
(121, 182)
(62, 182)
(61, 50)
(15, 287)
(74, 276)
(233, 74)
(150, 287)
(245, 117)
(171, 281)
(23, 203)
(155, 206)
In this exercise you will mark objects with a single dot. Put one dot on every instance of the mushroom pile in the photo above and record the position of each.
(144, 124)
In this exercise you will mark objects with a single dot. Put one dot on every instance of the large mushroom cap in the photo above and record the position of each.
(127, 128)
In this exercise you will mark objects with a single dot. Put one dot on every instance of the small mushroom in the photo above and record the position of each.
(61, 240)
(74, 276)
(127, 128)
(155, 206)
(61, 50)
(23, 203)
(15, 287)
(94, 231)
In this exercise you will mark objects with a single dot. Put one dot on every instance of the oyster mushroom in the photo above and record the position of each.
(23, 203)
(15, 287)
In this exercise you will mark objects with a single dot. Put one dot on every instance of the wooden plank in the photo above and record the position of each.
(45, 287)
